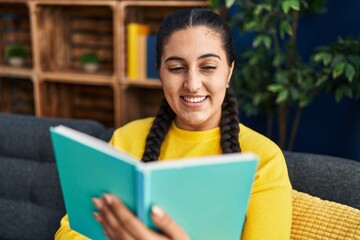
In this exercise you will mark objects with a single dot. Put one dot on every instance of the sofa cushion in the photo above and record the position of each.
(28, 137)
(22, 220)
(30, 196)
(314, 218)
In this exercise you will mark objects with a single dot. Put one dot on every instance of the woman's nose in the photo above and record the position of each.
(193, 81)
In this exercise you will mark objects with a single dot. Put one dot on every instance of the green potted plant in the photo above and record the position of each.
(90, 61)
(339, 65)
(272, 78)
(16, 55)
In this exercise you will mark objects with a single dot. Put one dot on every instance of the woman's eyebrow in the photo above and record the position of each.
(176, 58)
(209, 55)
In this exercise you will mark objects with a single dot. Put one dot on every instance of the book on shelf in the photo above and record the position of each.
(151, 71)
(142, 56)
(136, 43)
(207, 196)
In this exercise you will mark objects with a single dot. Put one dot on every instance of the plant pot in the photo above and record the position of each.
(16, 61)
(91, 67)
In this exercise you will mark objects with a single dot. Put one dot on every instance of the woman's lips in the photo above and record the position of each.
(194, 99)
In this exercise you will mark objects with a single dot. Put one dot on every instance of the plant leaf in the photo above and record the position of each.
(338, 70)
(338, 94)
(349, 72)
(257, 99)
(290, 4)
(229, 3)
(354, 59)
(321, 80)
(275, 87)
(285, 7)
(251, 25)
(285, 27)
(267, 42)
(258, 9)
(278, 59)
(257, 41)
(282, 97)
(325, 57)
(295, 5)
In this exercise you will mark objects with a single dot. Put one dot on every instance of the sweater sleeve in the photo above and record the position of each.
(270, 206)
(66, 233)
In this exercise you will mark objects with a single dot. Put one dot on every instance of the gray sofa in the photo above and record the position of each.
(31, 204)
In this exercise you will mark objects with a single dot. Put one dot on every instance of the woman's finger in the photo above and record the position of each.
(112, 228)
(130, 223)
(167, 225)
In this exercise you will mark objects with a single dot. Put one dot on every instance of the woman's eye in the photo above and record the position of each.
(177, 69)
(208, 68)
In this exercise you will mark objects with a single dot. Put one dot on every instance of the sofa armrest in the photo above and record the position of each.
(331, 178)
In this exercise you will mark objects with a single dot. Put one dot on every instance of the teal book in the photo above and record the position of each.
(207, 196)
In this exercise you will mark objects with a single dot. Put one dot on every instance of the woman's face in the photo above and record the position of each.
(195, 74)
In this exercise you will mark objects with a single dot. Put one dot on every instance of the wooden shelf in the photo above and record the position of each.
(16, 72)
(78, 78)
(78, 30)
(165, 3)
(56, 34)
(71, 100)
(13, 1)
(15, 30)
(145, 83)
(76, 2)
(16, 83)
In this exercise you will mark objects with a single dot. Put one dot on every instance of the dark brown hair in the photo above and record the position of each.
(229, 123)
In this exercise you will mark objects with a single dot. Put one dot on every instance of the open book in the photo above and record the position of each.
(207, 196)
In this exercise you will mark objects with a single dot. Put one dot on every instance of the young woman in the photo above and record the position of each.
(198, 117)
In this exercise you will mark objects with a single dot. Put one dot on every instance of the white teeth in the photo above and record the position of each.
(194, 99)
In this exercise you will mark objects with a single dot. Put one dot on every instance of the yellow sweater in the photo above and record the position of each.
(269, 212)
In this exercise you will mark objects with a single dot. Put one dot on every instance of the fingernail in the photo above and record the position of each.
(97, 216)
(108, 199)
(97, 203)
(157, 211)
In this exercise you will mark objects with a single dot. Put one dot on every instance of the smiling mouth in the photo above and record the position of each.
(194, 99)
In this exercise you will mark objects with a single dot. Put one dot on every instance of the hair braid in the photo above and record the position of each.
(229, 124)
(157, 133)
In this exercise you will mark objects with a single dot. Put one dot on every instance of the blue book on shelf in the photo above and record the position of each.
(207, 196)
(151, 70)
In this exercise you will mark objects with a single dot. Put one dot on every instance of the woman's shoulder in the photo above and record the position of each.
(134, 132)
(272, 164)
(249, 133)
(253, 141)
(131, 137)
(140, 126)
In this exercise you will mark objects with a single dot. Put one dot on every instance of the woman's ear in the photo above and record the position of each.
(230, 72)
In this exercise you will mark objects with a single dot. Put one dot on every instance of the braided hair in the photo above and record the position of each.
(157, 133)
(229, 127)
(229, 123)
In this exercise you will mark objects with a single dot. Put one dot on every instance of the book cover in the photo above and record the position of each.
(135, 60)
(142, 45)
(207, 196)
(152, 72)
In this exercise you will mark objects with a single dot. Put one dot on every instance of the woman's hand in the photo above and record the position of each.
(120, 223)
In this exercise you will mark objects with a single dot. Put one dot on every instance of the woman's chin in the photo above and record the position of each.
(196, 123)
